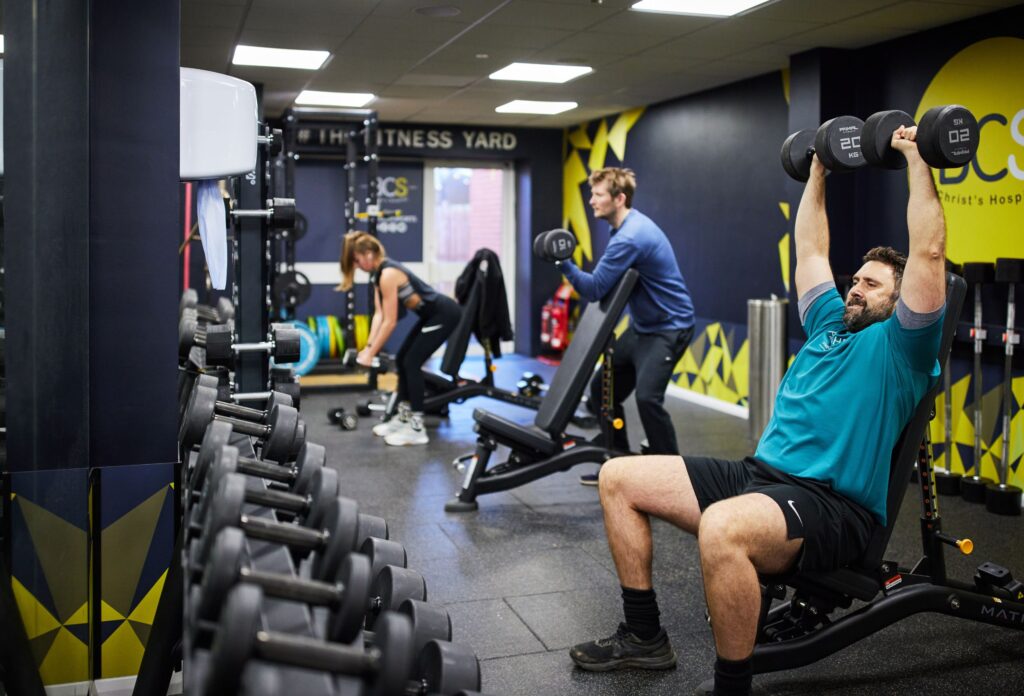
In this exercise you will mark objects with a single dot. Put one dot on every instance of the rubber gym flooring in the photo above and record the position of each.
(529, 574)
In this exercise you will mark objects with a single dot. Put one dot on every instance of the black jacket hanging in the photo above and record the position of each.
(493, 321)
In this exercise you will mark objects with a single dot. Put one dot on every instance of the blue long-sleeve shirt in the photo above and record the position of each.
(660, 300)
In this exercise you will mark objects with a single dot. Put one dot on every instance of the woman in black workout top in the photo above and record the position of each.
(397, 290)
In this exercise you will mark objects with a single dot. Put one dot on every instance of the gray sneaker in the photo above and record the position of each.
(624, 651)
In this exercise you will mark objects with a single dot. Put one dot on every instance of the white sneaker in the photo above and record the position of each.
(393, 424)
(411, 433)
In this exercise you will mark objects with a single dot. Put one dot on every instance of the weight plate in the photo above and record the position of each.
(332, 331)
(230, 497)
(311, 458)
(221, 573)
(324, 490)
(291, 289)
(947, 136)
(429, 622)
(341, 521)
(198, 414)
(837, 143)
(232, 647)
(392, 586)
(394, 642)
(448, 668)
(323, 335)
(345, 623)
(383, 552)
(309, 350)
(796, 155)
(278, 444)
(218, 434)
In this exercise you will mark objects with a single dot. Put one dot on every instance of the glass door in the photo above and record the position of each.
(466, 207)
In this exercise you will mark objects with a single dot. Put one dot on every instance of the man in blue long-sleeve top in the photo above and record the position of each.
(661, 309)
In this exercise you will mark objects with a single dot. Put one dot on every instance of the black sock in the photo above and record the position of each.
(641, 610)
(733, 678)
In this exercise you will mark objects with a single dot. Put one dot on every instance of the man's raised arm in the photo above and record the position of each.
(811, 234)
(924, 279)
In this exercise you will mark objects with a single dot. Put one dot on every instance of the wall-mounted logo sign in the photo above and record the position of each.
(389, 139)
(984, 201)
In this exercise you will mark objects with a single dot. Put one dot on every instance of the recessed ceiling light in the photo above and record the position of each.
(438, 11)
(705, 8)
(279, 57)
(541, 72)
(520, 106)
(483, 55)
(311, 97)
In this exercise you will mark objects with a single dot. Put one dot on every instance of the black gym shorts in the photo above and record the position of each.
(835, 530)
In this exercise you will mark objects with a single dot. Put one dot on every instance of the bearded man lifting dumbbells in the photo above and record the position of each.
(661, 308)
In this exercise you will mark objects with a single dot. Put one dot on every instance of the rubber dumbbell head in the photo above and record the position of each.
(837, 143)
(876, 138)
(555, 245)
(947, 136)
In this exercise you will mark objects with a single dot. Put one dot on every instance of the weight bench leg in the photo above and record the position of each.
(465, 500)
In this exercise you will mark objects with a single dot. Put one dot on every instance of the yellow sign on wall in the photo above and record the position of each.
(984, 201)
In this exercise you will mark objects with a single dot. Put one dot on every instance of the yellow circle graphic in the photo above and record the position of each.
(984, 201)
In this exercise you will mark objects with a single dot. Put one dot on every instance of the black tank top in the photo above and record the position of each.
(414, 285)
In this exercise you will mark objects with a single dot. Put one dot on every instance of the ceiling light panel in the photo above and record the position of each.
(279, 57)
(309, 97)
(521, 106)
(541, 72)
(703, 8)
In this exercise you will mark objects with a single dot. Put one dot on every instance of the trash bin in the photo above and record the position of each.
(766, 331)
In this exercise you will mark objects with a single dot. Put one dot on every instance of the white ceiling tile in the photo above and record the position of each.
(530, 13)
(487, 35)
(651, 24)
(210, 15)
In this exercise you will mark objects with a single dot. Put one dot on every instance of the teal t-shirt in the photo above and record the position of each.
(847, 397)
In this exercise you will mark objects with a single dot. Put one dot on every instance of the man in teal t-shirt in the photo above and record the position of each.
(817, 484)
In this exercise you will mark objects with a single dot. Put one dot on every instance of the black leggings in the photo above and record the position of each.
(436, 322)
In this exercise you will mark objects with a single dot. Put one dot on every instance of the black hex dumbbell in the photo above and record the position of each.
(297, 476)
(215, 337)
(222, 312)
(390, 667)
(282, 436)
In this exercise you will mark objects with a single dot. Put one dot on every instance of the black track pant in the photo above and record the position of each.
(644, 362)
(436, 323)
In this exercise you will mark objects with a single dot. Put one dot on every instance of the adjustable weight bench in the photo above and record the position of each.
(544, 448)
(800, 631)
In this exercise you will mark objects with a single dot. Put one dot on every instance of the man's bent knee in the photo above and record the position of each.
(616, 471)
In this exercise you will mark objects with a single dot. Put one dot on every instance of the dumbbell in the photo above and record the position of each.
(215, 337)
(531, 385)
(972, 488)
(229, 408)
(224, 310)
(297, 476)
(381, 362)
(388, 667)
(282, 435)
(554, 245)
(283, 343)
(351, 596)
(279, 213)
(308, 508)
(341, 531)
(340, 417)
(1000, 497)
(282, 379)
(836, 142)
(946, 137)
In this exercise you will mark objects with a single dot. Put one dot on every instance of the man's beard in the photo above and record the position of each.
(867, 316)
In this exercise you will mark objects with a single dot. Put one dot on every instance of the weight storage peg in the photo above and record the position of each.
(283, 343)
(279, 213)
(972, 488)
(389, 667)
(308, 508)
(837, 143)
(297, 476)
(229, 408)
(282, 436)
